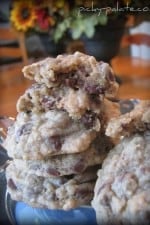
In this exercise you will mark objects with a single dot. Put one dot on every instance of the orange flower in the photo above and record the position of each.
(23, 15)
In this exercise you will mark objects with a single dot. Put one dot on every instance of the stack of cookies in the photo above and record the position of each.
(58, 139)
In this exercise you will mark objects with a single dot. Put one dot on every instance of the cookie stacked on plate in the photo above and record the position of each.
(58, 139)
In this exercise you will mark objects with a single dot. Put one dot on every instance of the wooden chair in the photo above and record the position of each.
(137, 39)
(140, 67)
(13, 56)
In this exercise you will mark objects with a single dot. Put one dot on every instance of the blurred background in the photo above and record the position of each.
(117, 32)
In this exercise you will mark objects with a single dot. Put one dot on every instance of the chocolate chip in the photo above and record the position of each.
(47, 102)
(147, 126)
(82, 193)
(101, 188)
(56, 141)
(110, 76)
(71, 82)
(23, 130)
(53, 172)
(29, 96)
(80, 83)
(95, 98)
(69, 177)
(11, 184)
(105, 201)
(88, 119)
(79, 167)
(28, 111)
(125, 126)
(94, 89)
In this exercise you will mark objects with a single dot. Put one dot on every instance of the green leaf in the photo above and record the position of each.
(77, 28)
(89, 26)
(89, 31)
(61, 29)
(76, 33)
(102, 19)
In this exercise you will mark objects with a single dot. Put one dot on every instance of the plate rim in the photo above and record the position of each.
(9, 208)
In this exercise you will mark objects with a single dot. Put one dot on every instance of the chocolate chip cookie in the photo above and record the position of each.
(122, 191)
(137, 120)
(78, 71)
(66, 164)
(64, 192)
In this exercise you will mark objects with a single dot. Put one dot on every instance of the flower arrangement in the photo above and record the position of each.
(38, 15)
(76, 16)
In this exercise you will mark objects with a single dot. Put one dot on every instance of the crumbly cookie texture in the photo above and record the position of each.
(67, 164)
(109, 110)
(59, 132)
(64, 192)
(40, 98)
(41, 135)
(138, 120)
(122, 190)
(38, 136)
(78, 71)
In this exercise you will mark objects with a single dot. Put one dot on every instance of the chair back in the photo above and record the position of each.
(12, 45)
(136, 39)
(13, 55)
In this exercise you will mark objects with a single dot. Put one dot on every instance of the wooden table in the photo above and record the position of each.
(131, 68)
(9, 96)
(134, 75)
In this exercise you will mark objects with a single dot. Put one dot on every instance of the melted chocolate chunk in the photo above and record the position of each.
(94, 89)
(23, 130)
(71, 82)
(147, 126)
(88, 119)
(82, 193)
(78, 168)
(47, 102)
(11, 184)
(56, 141)
(95, 98)
(53, 172)
(29, 96)
(110, 76)
(69, 177)
(28, 111)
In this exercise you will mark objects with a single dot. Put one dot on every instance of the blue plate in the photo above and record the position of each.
(22, 214)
